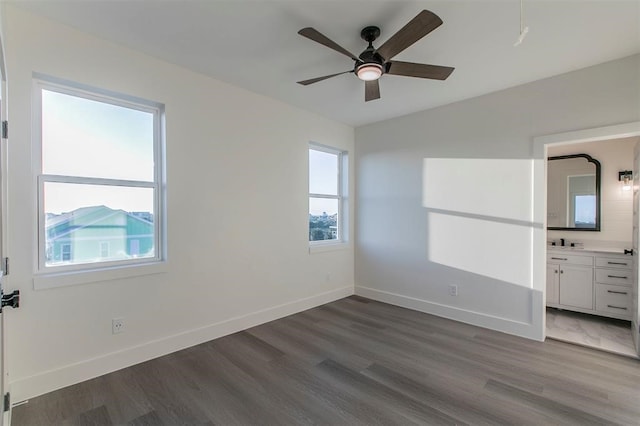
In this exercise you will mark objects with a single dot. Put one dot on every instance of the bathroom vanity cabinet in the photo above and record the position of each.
(590, 281)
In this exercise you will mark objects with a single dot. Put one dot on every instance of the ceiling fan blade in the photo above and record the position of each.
(317, 79)
(409, 69)
(316, 36)
(425, 22)
(371, 90)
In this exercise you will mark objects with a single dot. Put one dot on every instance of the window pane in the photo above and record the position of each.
(585, 211)
(81, 137)
(323, 172)
(97, 223)
(323, 219)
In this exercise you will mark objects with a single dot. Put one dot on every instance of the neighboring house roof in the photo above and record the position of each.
(100, 212)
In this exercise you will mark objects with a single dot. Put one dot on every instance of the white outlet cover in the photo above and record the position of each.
(117, 325)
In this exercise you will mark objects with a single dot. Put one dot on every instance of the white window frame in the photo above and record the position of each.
(53, 276)
(342, 223)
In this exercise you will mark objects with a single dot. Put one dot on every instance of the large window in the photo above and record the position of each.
(99, 181)
(327, 189)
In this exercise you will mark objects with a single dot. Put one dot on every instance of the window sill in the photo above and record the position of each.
(43, 281)
(321, 248)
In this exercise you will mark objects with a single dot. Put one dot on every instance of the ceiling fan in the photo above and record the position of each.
(374, 62)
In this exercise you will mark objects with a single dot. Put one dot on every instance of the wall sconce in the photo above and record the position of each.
(625, 177)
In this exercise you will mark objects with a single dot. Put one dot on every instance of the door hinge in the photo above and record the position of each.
(5, 129)
(7, 401)
(5, 266)
(11, 300)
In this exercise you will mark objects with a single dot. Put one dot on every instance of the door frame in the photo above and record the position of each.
(539, 195)
(5, 415)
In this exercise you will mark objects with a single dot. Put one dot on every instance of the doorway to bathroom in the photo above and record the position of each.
(591, 227)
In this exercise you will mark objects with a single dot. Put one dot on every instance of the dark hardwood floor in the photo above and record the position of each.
(351, 362)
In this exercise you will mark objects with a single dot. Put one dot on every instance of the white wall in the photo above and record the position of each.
(616, 204)
(409, 251)
(237, 216)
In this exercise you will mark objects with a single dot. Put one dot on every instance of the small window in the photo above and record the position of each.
(104, 249)
(327, 188)
(99, 178)
(584, 207)
(134, 247)
(66, 253)
(582, 201)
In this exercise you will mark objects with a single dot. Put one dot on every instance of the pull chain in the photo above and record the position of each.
(523, 30)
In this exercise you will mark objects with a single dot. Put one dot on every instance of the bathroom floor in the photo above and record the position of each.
(607, 334)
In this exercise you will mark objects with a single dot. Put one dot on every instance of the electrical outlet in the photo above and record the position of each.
(117, 325)
(453, 290)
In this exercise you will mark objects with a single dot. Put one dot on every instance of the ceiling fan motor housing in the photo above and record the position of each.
(369, 57)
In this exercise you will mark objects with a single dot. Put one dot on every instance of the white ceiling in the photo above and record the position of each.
(255, 45)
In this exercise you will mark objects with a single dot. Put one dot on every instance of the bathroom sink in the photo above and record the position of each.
(564, 248)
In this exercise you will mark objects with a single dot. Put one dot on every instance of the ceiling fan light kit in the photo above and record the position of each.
(373, 62)
(369, 72)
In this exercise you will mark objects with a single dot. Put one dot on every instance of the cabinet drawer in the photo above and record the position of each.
(614, 262)
(613, 299)
(569, 258)
(614, 276)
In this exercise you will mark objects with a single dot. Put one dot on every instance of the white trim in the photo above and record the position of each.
(540, 144)
(96, 181)
(329, 197)
(585, 135)
(530, 330)
(330, 245)
(47, 381)
(74, 88)
(47, 280)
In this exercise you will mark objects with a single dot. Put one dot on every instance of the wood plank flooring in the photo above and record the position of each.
(351, 362)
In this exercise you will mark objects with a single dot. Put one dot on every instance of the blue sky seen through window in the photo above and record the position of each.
(323, 179)
(86, 138)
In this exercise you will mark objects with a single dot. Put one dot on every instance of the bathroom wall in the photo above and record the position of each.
(616, 204)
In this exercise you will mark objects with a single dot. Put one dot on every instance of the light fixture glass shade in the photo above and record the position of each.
(369, 72)
(626, 178)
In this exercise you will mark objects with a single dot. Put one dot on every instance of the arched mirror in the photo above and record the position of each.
(573, 193)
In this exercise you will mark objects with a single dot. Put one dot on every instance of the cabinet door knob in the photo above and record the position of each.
(561, 271)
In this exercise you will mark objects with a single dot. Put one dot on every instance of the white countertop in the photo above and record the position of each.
(609, 250)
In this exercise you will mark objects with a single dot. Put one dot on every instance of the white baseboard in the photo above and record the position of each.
(530, 330)
(41, 383)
